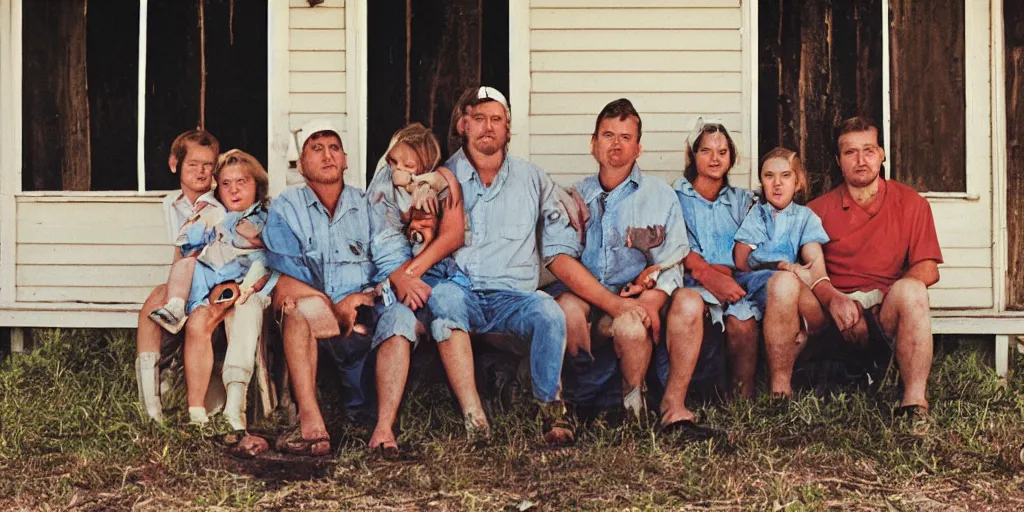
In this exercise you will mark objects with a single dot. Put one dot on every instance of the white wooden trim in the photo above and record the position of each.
(1000, 235)
(140, 142)
(749, 35)
(1002, 354)
(977, 91)
(278, 129)
(356, 62)
(519, 77)
(10, 141)
(950, 196)
(64, 194)
(17, 341)
(886, 86)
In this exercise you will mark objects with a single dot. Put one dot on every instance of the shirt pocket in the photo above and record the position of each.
(348, 264)
(517, 231)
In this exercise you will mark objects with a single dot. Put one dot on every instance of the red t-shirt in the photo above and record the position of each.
(872, 247)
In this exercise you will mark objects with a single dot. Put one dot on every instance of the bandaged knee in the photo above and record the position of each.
(148, 378)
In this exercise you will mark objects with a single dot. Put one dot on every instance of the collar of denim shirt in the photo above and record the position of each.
(349, 201)
(726, 196)
(592, 189)
(466, 173)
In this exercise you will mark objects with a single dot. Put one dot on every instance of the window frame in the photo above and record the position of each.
(978, 114)
(11, 156)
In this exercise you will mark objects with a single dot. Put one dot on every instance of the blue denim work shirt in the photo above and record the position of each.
(710, 229)
(637, 202)
(331, 254)
(502, 248)
(778, 235)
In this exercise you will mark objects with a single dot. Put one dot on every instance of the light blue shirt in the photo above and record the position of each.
(637, 202)
(331, 254)
(778, 235)
(503, 247)
(712, 225)
(389, 243)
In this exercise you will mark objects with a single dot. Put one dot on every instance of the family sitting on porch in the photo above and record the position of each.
(670, 287)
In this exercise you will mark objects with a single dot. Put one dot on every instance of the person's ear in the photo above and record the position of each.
(460, 126)
(639, 150)
(592, 152)
(882, 150)
(172, 162)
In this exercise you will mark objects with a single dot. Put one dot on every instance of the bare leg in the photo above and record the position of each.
(199, 355)
(788, 300)
(741, 344)
(457, 358)
(300, 352)
(684, 335)
(149, 334)
(635, 351)
(179, 282)
(577, 315)
(392, 372)
(906, 317)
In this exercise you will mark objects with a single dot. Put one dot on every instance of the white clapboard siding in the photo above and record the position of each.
(104, 250)
(656, 40)
(675, 60)
(578, 124)
(629, 83)
(634, 17)
(91, 294)
(580, 144)
(960, 298)
(317, 86)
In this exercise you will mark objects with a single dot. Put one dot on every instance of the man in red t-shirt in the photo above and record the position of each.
(882, 257)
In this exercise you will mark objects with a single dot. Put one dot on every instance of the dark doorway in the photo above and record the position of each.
(422, 55)
(1014, 27)
(819, 62)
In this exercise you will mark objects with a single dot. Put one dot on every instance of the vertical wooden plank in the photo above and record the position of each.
(17, 340)
(1002, 354)
(929, 148)
(1013, 13)
(56, 154)
(827, 74)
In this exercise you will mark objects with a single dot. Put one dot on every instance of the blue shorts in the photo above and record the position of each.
(752, 305)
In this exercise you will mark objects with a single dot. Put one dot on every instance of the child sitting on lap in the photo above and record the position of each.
(220, 243)
(777, 232)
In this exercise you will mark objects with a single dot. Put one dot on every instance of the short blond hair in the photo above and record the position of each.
(252, 166)
(795, 164)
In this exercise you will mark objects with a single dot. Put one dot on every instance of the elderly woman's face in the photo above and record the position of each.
(712, 156)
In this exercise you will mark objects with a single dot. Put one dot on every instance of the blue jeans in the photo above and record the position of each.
(353, 358)
(533, 317)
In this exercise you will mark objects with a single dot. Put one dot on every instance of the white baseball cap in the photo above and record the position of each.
(485, 93)
(308, 129)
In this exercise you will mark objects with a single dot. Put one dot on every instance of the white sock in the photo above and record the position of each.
(198, 415)
(234, 406)
(176, 306)
(149, 386)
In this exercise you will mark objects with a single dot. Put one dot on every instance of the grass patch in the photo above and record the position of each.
(73, 437)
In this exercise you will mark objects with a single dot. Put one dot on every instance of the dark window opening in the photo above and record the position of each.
(806, 87)
(235, 106)
(80, 87)
(929, 102)
(452, 45)
(820, 62)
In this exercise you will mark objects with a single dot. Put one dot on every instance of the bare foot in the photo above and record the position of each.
(384, 441)
(671, 414)
(250, 447)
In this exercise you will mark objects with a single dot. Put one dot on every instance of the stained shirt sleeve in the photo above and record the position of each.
(284, 248)
(389, 247)
(924, 242)
(813, 230)
(558, 236)
(753, 231)
(675, 248)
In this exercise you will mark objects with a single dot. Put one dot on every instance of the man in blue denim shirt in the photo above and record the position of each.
(623, 202)
(318, 238)
(507, 201)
